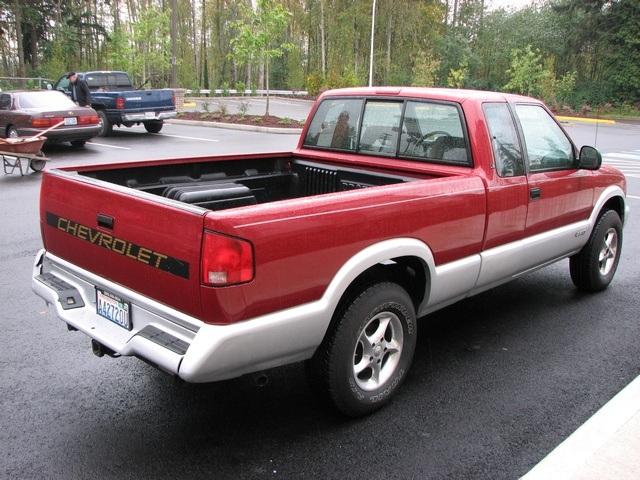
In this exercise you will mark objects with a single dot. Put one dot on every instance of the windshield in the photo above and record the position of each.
(52, 100)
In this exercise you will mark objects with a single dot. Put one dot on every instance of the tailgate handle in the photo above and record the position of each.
(105, 221)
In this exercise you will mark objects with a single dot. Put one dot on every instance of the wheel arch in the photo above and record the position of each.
(612, 198)
(405, 261)
(616, 204)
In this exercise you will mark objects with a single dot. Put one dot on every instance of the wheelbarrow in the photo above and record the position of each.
(24, 153)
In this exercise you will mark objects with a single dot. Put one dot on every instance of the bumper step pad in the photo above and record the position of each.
(68, 296)
(164, 339)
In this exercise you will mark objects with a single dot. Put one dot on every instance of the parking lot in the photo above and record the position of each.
(498, 380)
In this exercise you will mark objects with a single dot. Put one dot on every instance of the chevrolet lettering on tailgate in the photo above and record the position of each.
(120, 246)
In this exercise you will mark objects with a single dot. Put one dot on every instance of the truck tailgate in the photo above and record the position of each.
(148, 100)
(150, 247)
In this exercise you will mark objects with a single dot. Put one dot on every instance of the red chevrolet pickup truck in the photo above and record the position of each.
(395, 203)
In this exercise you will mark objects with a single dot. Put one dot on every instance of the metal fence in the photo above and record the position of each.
(35, 82)
(247, 92)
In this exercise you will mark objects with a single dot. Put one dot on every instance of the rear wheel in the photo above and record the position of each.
(154, 126)
(106, 128)
(78, 143)
(364, 359)
(12, 132)
(592, 269)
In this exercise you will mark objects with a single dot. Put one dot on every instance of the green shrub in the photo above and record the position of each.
(314, 84)
(242, 108)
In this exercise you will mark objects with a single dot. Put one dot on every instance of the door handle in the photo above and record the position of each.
(535, 193)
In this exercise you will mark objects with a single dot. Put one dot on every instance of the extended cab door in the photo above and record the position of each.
(559, 193)
(507, 186)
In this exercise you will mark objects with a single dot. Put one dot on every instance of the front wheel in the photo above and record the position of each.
(154, 126)
(592, 269)
(367, 355)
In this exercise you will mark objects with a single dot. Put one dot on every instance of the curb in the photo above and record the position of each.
(258, 97)
(586, 453)
(236, 126)
(563, 118)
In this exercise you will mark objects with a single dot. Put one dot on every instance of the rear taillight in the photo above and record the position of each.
(40, 122)
(88, 120)
(173, 99)
(226, 260)
(45, 122)
(120, 103)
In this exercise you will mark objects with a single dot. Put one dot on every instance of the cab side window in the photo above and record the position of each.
(548, 148)
(63, 84)
(5, 102)
(504, 140)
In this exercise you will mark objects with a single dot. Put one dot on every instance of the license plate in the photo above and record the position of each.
(70, 121)
(149, 114)
(113, 308)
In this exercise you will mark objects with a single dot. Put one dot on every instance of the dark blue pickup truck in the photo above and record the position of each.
(119, 103)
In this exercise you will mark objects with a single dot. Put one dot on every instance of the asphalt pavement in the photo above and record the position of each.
(498, 381)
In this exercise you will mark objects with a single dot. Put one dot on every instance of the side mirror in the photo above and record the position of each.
(49, 86)
(590, 158)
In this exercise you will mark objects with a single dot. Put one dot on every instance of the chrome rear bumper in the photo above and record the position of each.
(175, 342)
(144, 117)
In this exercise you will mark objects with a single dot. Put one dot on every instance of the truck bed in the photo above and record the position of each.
(226, 184)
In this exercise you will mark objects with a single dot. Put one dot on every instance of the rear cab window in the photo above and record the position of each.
(421, 130)
(380, 127)
(335, 125)
(433, 132)
(96, 80)
(108, 80)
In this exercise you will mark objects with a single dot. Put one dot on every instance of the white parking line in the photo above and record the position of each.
(188, 138)
(109, 146)
(623, 156)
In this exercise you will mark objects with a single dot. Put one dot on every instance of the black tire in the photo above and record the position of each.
(383, 311)
(154, 126)
(78, 143)
(11, 132)
(106, 128)
(38, 165)
(593, 268)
